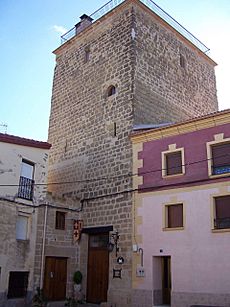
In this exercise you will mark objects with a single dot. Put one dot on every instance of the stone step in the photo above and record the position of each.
(56, 304)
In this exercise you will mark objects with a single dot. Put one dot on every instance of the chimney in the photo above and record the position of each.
(84, 23)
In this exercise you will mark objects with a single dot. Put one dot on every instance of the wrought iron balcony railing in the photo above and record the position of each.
(26, 188)
(218, 170)
(152, 6)
(222, 223)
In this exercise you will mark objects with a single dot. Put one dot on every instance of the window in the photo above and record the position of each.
(18, 283)
(220, 156)
(22, 227)
(182, 61)
(26, 183)
(174, 216)
(173, 163)
(112, 127)
(60, 220)
(87, 54)
(222, 212)
(111, 90)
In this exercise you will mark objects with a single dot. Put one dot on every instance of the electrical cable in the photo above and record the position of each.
(43, 205)
(152, 188)
(112, 178)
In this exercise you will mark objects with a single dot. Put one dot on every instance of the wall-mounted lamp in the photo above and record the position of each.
(120, 260)
(115, 237)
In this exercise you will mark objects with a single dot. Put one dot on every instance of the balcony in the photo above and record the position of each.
(153, 7)
(219, 170)
(26, 188)
(222, 223)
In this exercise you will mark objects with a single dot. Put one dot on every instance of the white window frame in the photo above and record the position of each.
(172, 149)
(219, 139)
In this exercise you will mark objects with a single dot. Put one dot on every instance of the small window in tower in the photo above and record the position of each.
(87, 54)
(111, 90)
(182, 61)
(60, 220)
(112, 127)
(115, 129)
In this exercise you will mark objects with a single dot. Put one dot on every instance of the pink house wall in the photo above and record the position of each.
(200, 263)
(199, 258)
(194, 144)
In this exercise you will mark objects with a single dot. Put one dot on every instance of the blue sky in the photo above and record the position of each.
(31, 29)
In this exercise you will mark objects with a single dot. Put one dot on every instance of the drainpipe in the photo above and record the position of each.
(43, 248)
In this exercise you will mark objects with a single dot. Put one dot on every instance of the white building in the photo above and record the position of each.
(23, 172)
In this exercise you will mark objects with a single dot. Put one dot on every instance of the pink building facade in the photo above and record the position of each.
(181, 214)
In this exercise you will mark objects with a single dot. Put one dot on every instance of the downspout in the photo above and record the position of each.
(43, 248)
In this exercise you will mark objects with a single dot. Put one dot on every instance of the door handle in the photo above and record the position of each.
(51, 275)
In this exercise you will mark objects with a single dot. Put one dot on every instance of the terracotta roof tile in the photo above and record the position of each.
(12, 139)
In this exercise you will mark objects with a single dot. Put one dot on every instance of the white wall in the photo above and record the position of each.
(199, 257)
(18, 255)
(11, 156)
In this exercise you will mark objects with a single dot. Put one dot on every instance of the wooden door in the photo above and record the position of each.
(166, 280)
(98, 268)
(55, 278)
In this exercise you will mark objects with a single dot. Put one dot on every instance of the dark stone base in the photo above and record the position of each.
(17, 302)
(185, 299)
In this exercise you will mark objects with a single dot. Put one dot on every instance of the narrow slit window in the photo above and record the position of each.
(182, 61)
(112, 128)
(87, 55)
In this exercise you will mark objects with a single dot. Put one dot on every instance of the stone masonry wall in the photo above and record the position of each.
(15, 255)
(94, 162)
(83, 144)
(58, 243)
(175, 93)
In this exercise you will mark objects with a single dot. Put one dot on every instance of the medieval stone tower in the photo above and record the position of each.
(127, 68)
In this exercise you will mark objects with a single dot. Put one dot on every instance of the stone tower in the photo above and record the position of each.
(127, 68)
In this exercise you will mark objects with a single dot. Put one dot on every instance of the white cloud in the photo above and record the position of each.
(59, 29)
